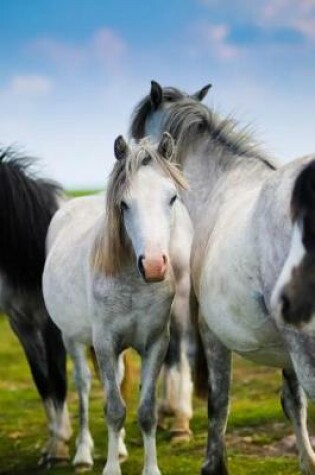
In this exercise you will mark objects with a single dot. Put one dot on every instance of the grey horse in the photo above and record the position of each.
(253, 242)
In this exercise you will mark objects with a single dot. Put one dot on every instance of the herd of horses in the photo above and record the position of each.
(201, 246)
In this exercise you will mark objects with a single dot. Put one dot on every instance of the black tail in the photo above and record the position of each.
(303, 204)
(297, 296)
(27, 205)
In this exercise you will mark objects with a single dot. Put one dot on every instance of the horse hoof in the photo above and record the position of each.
(181, 437)
(308, 468)
(151, 471)
(112, 470)
(83, 458)
(83, 467)
(219, 469)
(56, 454)
(47, 462)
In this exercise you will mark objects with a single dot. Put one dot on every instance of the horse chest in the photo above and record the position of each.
(134, 311)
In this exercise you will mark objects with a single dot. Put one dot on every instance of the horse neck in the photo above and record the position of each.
(213, 172)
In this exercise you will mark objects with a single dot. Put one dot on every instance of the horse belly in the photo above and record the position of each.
(231, 298)
(66, 297)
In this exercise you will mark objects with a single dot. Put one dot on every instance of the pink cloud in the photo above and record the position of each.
(296, 14)
(105, 46)
(215, 39)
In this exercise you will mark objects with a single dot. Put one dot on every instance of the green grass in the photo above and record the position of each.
(78, 193)
(256, 424)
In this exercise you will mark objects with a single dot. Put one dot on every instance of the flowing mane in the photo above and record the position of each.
(112, 249)
(189, 121)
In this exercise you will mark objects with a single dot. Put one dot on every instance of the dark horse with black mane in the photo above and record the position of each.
(27, 204)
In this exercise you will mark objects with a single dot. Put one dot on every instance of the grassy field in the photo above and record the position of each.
(255, 432)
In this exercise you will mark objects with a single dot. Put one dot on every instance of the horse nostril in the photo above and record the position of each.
(140, 265)
(164, 259)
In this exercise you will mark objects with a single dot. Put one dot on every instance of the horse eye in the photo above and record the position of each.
(123, 206)
(173, 200)
(202, 126)
(146, 160)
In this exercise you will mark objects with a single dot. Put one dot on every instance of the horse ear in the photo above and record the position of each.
(156, 94)
(166, 146)
(201, 94)
(120, 148)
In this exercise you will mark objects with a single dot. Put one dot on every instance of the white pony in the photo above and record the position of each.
(110, 280)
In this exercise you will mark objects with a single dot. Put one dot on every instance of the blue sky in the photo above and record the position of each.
(71, 72)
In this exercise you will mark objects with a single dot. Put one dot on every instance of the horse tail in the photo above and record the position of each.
(27, 205)
(294, 289)
(126, 384)
(303, 204)
(200, 366)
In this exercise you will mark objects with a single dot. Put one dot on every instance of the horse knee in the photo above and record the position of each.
(147, 416)
(115, 412)
(82, 380)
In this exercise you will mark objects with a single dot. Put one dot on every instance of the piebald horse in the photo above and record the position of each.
(112, 277)
(252, 256)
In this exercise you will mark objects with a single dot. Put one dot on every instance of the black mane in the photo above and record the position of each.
(27, 205)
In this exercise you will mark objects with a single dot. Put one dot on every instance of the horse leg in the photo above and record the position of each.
(82, 379)
(32, 341)
(178, 385)
(219, 365)
(152, 362)
(122, 449)
(56, 361)
(294, 406)
(115, 408)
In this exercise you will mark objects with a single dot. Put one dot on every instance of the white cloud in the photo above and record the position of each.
(30, 84)
(215, 40)
(296, 14)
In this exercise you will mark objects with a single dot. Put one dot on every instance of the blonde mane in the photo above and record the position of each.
(112, 248)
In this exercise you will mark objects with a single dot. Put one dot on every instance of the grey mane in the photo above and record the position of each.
(189, 121)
